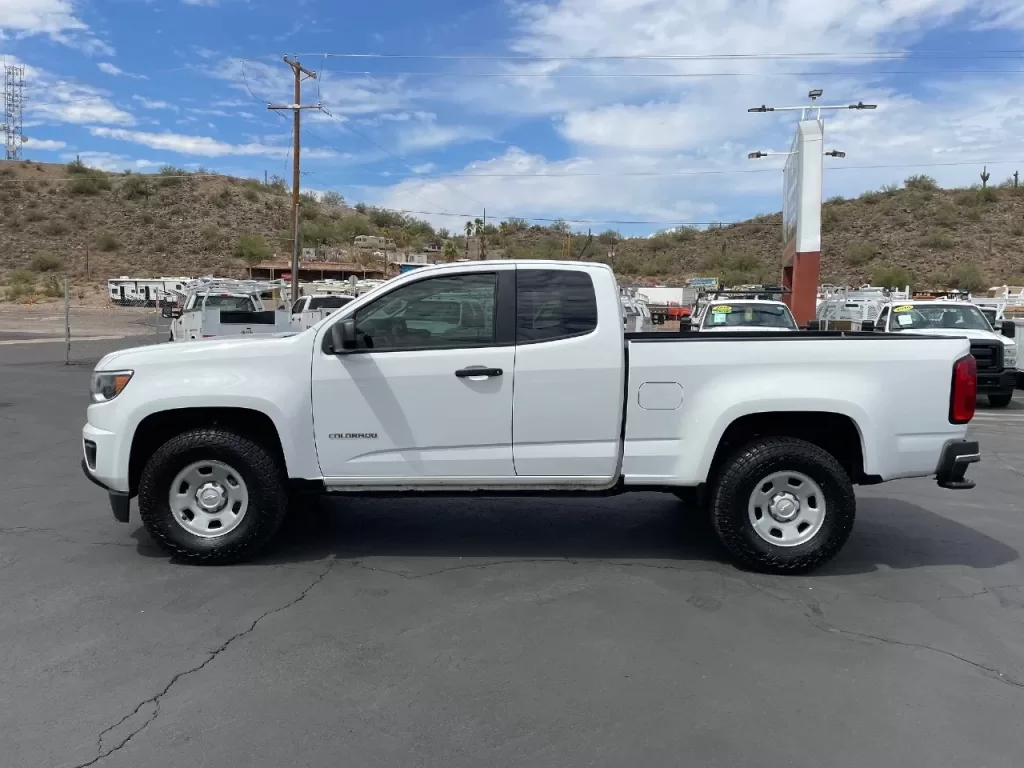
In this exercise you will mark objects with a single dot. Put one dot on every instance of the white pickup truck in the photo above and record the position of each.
(530, 388)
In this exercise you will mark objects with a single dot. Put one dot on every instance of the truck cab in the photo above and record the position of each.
(995, 353)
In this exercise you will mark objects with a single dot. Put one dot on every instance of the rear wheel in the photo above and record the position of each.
(212, 496)
(1000, 399)
(783, 505)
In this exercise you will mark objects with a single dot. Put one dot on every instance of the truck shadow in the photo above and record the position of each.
(889, 532)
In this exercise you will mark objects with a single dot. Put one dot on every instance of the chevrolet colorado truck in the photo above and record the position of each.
(534, 390)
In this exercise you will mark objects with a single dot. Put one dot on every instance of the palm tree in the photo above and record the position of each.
(469, 234)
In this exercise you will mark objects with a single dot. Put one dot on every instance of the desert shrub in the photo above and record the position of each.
(968, 277)
(858, 254)
(891, 277)
(211, 236)
(252, 249)
(250, 194)
(105, 241)
(134, 187)
(21, 276)
(921, 182)
(45, 262)
(937, 240)
(55, 227)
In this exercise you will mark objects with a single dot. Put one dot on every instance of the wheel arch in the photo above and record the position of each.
(157, 428)
(836, 433)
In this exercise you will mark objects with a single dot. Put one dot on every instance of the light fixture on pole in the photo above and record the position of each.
(802, 193)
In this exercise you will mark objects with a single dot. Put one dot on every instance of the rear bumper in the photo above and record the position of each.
(956, 457)
(120, 501)
(997, 382)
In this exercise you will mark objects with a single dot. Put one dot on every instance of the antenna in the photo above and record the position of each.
(14, 108)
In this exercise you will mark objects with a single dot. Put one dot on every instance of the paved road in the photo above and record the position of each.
(502, 633)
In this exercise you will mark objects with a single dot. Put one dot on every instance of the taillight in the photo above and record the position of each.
(964, 393)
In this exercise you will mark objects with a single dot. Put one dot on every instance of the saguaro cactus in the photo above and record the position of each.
(985, 176)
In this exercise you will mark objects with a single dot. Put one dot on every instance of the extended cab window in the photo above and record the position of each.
(553, 304)
(439, 312)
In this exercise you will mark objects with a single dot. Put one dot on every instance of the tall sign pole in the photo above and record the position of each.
(801, 203)
(300, 73)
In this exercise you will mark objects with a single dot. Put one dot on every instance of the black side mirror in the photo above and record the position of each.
(685, 325)
(814, 325)
(868, 326)
(343, 336)
(1009, 329)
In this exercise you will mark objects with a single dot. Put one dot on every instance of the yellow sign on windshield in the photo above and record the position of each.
(904, 308)
(721, 309)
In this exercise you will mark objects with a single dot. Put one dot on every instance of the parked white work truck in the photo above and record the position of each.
(209, 309)
(534, 389)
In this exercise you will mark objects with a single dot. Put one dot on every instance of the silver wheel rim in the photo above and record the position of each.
(208, 499)
(787, 509)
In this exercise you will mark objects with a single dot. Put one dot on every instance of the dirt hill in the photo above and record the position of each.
(91, 225)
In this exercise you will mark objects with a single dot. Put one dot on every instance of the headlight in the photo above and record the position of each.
(106, 385)
(1010, 356)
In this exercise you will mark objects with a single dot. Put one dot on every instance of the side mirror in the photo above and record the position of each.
(868, 326)
(685, 325)
(1009, 329)
(343, 336)
(814, 325)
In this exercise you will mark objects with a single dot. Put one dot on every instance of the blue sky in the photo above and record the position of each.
(458, 125)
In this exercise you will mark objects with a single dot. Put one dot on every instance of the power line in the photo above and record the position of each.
(584, 174)
(692, 75)
(870, 55)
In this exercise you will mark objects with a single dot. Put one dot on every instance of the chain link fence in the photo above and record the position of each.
(92, 330)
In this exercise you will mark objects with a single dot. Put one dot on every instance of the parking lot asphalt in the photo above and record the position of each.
(533, 632)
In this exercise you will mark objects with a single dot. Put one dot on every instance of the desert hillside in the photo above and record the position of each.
(90, 225)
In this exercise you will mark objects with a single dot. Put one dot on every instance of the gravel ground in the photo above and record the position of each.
(535, 632)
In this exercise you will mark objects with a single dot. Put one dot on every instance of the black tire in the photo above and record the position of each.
(1000, 399)
(264, 480)
(737, 480)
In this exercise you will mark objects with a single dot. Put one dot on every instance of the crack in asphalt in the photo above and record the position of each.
(155, 699)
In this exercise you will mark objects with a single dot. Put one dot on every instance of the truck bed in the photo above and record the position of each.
(683, 390)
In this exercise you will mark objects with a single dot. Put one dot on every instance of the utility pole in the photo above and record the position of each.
(483, 237)
(300, 73)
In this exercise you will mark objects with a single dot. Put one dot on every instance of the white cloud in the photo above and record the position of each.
(203, 146)
(656, 124)
(54, 18)
(63, 100)
(109, 161)
(110, 69)
(44, 145)
(424, 133)
(154, 103)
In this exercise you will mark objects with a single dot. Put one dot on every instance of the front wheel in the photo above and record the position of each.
(783, 505)
(1000, 399)
(212, 496)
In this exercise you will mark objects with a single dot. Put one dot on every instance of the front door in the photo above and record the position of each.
(407, 405)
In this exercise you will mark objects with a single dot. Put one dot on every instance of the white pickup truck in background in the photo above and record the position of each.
(995, 354)
(217, 313)
(310, 310)
(529, 386)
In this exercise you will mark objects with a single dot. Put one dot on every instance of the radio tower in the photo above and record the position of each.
(14, 106)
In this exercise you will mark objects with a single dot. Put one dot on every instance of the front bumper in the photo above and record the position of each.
(120, 501)
(956, 457)
(997, 382)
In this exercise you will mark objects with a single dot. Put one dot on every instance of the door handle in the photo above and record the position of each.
(467, 373)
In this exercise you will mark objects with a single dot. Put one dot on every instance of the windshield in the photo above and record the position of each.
(328, 302)
(990, 315)
(748, 316)
(230, 302)
(908, 317)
